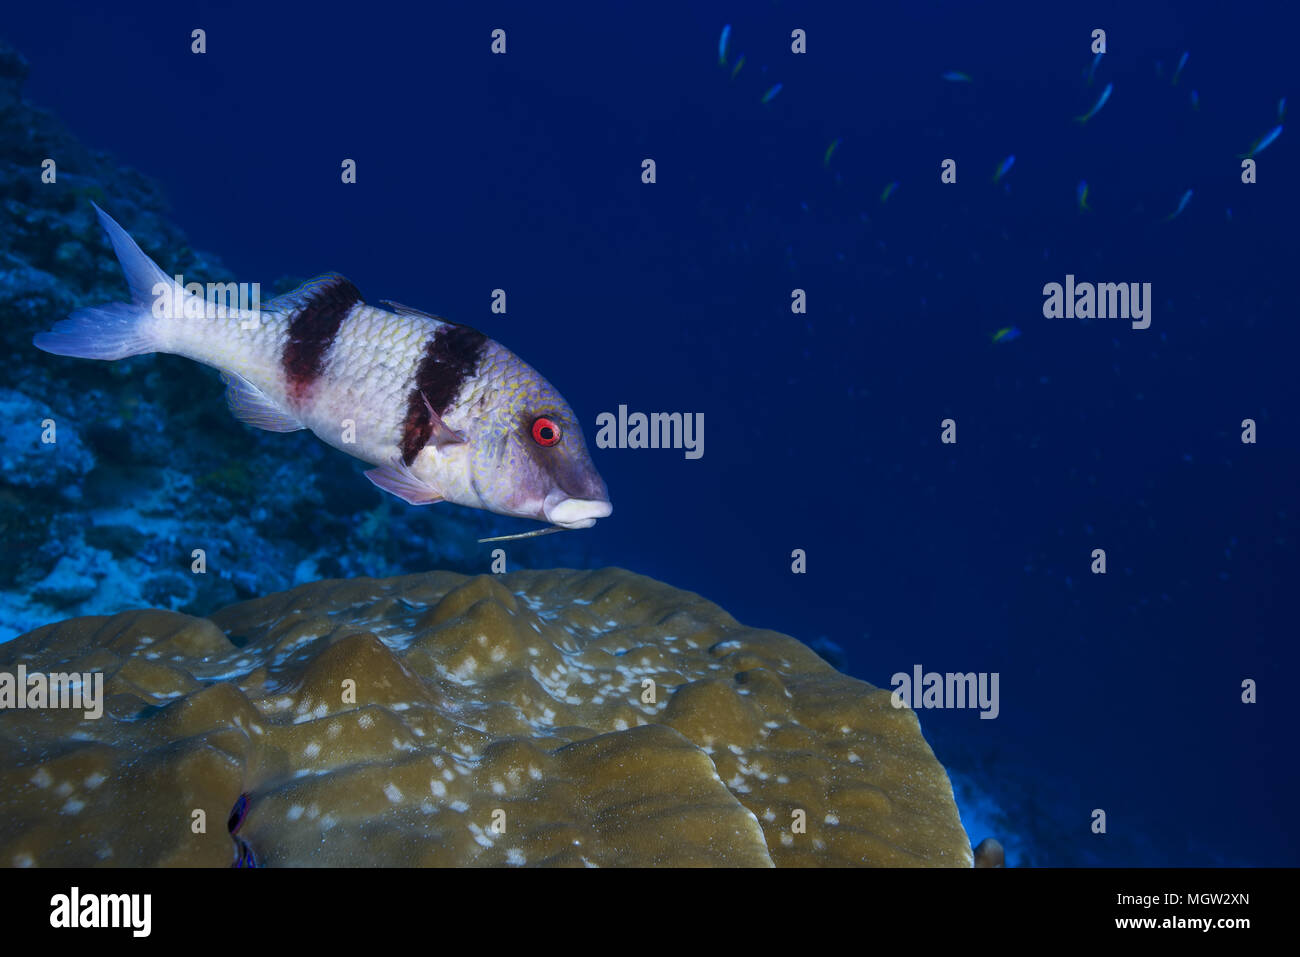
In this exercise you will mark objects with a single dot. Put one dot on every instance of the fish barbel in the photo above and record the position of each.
(441, 412)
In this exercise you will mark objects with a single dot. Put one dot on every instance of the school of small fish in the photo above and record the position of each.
(1082, 191)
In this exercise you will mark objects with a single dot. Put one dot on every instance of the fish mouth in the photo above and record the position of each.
(576, 512)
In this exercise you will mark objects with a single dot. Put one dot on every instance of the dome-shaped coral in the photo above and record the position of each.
(541, 717)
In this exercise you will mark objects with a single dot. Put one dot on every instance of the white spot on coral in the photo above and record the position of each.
(73, 806)
(94, 780)
(438, 788)
(311, 750)
(832, 819)
(295, 812)
(42, 778)
(393, 794)
(515, 857)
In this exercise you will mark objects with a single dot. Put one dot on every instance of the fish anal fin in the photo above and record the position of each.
(250, 405)
(397, 479)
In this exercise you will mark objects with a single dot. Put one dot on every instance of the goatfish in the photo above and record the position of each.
(722, 45)
(1182, 62)
(1101, 101)
(770, 95)
(1005, 165)
(1007, 334)
(1081, 195)
(1182, 204)
(1262, 143)
(441, 412)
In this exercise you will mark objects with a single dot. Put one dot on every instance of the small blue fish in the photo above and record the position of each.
(955, 76)
(888, 191)
(770, 95)
(739, 65)
(722, 45)
(1281, 108)
(1007, 334)
(1262, 143)
(238, 814)
(1101, 101)
(1182, 62)
(244, 856)
(830, 151)
(1182, 204)
(1081, 194)
(1005, 165)
(1093, 68)
(1196, 100)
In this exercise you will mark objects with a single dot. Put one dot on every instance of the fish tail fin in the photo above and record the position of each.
(142, 274)
(111, 331)
(114, 330)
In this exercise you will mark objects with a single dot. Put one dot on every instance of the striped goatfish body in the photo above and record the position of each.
(441, 411)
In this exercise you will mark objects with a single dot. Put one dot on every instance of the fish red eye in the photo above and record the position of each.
(545, 432)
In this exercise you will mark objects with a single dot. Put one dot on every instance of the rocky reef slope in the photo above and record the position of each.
(595, 718)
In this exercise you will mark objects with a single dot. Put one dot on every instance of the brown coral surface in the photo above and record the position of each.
(594, 718)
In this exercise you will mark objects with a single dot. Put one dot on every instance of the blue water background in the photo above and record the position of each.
(522, 172)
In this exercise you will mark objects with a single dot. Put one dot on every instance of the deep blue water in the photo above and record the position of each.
(523, 171)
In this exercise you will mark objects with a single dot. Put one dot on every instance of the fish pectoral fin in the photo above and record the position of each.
(399, 480)
(250, 405)
(441, 435)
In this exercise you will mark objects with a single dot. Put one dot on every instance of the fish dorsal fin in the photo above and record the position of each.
(402, 310)
(250, 405)
(311, 291)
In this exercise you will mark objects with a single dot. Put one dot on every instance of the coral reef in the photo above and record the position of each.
(536, 718)
(148, 465)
